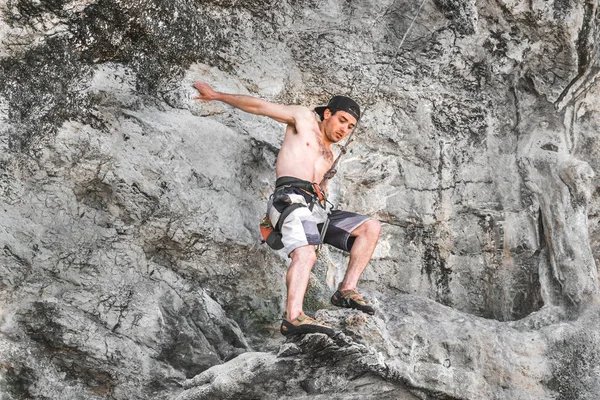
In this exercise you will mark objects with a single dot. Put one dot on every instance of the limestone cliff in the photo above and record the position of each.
(130, 259)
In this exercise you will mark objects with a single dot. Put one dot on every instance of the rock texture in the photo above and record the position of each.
(130, 263)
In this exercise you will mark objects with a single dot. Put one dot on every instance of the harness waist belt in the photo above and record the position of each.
(296, 182)
(311, 188)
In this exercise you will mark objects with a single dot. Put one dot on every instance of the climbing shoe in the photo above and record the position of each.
(302, 325)
(351, 299)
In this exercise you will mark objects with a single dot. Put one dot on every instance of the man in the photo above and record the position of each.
(305, 156)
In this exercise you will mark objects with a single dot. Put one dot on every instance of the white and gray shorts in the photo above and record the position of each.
(302, 226)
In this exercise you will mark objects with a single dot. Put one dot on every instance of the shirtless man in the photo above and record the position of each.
(305, 156)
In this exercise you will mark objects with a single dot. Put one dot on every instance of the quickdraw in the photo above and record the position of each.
(320, 193)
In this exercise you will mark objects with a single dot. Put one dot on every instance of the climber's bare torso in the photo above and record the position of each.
(303, 153)
(306, 149)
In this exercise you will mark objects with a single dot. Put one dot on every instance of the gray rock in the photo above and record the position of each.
(421, 350)
(130, 263)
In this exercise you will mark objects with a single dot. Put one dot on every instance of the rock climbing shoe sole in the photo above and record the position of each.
(303, 325)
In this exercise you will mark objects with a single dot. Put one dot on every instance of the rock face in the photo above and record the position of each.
(130, 263)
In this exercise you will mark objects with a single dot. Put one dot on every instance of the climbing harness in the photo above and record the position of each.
(271, 234)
